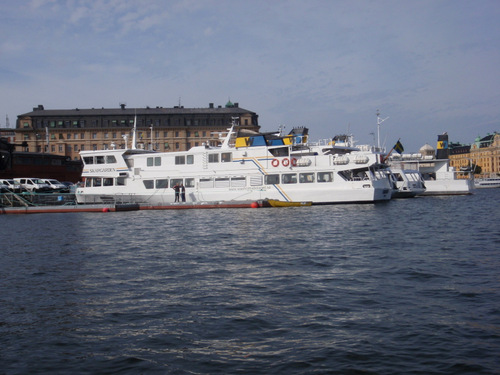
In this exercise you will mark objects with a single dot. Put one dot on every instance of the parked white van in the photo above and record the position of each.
(55, 185)
(32, 184)
(12, 185)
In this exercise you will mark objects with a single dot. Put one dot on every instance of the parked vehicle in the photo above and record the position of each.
(55, 185)
(33, 185)
(12, 185)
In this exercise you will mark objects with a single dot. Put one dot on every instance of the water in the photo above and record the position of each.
(408, 286)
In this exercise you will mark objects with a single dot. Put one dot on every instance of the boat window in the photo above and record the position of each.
(325, 176)
(213, 158)
(120, 181)
(206, 183)
(162, 184)
(97, 181)
(306, 178)
(225, 157)
(398, 176)
(157, 161)
(110, 159)
(88, 182)
(149, 184)
(175, 181)
(99, 159)
(189, 182)
(256, 180)
(189, 159)
(289, 178)
(272, 179)
(279, 151)
(238, 182)
(222, 182)
(107, 182)
(88, 160)
(180, 159)
(149, 162)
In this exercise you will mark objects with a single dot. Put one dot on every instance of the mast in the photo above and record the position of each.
(379, 121)
(134, 131)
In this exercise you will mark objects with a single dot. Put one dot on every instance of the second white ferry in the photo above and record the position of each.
(244, 166)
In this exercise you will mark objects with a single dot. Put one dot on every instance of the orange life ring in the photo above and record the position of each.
(275, 162)
(285, 162)
(294, 162)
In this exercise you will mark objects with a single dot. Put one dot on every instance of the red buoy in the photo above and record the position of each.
(254, 205)
(106, 209)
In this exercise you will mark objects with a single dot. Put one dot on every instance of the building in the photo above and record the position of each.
(484, 153)
(69, 131)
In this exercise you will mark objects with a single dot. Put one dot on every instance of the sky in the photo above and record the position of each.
(427, 66)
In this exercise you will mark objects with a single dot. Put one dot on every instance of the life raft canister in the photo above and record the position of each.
(285, 162)
(275, 162)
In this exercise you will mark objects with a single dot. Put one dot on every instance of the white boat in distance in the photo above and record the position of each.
(245, 166)
(488, 182)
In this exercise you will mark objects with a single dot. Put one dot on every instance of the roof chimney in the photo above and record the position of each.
(122, 105)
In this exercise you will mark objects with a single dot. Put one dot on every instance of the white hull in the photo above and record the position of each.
(448, 187)
(289, 173)
(487, 183)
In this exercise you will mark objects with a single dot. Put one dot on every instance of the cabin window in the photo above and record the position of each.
(255, 180)
(305, 178)
(206, 183)
(222, 182)
(180, 159)
(189, 182)
(99, 159)
(189, 159)
(238, 182)
(289, 178)
(88, 182)
(149, 184)
(325, 176)
(97, 181)
(110, 159)
(280, 151)
(162, 184)
(175, 181)
(149, 162)
(88, 160)
(213, 158)
(157, 161)
(272, 179)
(120, 181)
(225, 157)
(107, 182)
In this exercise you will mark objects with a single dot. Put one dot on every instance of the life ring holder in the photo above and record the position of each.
(275, 162)
(294, 162)
(285, 162)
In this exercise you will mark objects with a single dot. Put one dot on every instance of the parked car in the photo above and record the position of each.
(4, 188)
(12, 185)
(56, 185)
(33, 184)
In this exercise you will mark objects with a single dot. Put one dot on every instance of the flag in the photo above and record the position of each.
(399, 147)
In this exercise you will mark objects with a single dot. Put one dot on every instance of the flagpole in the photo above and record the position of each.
(389, 154)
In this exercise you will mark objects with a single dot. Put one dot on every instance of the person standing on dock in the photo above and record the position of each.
(177, 189)
(183, 192)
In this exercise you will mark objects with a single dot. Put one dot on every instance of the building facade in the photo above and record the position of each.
(67, 132)
(484, 152)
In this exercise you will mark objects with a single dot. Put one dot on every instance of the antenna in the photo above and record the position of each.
(379, 121)
(7, 122)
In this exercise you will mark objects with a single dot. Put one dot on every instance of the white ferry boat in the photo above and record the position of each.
(242, 167)
(439, 178)
(489, 182)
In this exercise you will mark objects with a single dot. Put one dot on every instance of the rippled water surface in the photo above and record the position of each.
(403, 287)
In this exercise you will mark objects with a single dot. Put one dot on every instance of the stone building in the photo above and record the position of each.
(69, 131)
(484, 152)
